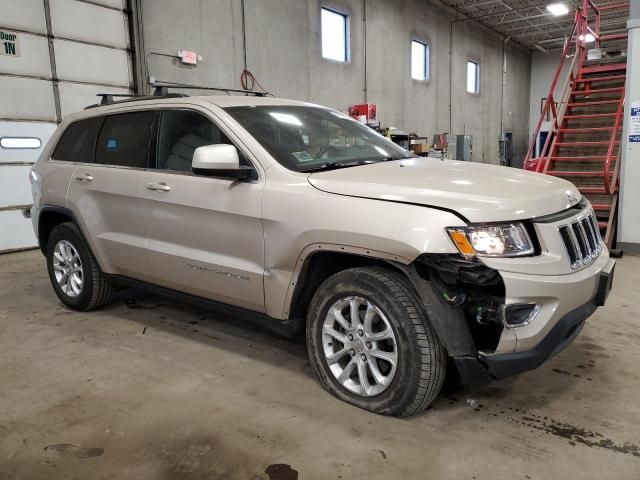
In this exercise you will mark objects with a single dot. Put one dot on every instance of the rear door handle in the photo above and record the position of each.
(83, 177)
(158, 187)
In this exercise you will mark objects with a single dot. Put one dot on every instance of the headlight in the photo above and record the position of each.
(502, 240)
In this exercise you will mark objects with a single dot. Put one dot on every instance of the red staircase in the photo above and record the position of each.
(585, 129)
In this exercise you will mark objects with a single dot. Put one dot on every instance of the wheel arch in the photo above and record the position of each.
(48, 218)
(319, 262)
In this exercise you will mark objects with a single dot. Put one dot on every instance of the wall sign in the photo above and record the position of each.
(634, 122)
(9, 43)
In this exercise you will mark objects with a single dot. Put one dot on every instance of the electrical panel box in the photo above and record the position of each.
(459, 147)
(464, 148)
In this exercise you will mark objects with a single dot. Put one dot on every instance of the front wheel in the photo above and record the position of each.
(371, 343)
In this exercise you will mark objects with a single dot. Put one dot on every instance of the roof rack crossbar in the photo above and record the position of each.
(108, 98)
(165, 87)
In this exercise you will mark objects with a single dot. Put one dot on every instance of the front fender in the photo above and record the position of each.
(298, 220)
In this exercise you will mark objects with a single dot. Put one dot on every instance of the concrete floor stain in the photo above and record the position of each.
(71, 450)
(576, 435)
(281, 471)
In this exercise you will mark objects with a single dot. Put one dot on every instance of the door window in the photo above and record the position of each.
(124, 139)
(181, 132)
(78, 141)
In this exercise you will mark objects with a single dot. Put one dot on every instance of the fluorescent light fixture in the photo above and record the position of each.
(286, 118)
(20, 142)
(557, 9)
(588, 38)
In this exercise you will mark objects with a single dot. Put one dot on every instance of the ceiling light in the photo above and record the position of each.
(557, 9)
(588, 38)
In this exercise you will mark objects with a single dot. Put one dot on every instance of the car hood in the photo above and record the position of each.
(479, 192)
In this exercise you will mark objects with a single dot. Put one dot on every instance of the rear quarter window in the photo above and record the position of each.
(78, 141)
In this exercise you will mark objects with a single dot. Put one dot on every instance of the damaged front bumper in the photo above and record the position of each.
(563, 303)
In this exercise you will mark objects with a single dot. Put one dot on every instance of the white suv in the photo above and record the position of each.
(302, 218)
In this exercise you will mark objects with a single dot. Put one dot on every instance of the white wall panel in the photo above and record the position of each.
(15, 188)
(88, 63)
(89, 23)
(74, 97)
(23, 15)
(33, 59)
(25, 98)
(17, 231)
(39, 130)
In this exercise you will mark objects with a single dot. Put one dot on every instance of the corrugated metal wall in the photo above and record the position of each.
(69, 50)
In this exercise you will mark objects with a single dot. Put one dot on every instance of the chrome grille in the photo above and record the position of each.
(582, 240)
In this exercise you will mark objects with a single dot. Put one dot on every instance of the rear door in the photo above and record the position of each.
(204, 234)
(105, 194)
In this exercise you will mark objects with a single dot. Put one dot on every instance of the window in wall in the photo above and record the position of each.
(124, 139)
(419, 60)
(473, 77)
(335, 35)
(78, 141)
(181, 132)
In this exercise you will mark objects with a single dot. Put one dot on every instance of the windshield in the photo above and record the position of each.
(305, 139)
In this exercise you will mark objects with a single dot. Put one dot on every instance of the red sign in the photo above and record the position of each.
(189, 57)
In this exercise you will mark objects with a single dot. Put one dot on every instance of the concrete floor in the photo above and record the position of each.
(151, 389)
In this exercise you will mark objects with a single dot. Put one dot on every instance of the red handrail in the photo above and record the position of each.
(579, 31)
(610, 186)
(550, 100)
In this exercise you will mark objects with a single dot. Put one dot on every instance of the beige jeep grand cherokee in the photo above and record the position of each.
(300, 217)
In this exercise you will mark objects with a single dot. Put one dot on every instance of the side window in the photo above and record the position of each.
(124, 139)
(181, 132)
(78, 141)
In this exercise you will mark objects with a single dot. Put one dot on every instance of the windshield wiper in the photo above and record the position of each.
(332, 166)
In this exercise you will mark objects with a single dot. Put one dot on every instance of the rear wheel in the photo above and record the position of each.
(73, 270)
(371, 343)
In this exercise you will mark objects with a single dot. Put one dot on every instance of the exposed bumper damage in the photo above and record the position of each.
(465, 302)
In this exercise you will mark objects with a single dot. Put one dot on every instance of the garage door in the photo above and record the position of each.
(55, 56)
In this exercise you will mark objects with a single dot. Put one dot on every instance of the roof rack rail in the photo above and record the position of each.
(164, 89)
(108, 98)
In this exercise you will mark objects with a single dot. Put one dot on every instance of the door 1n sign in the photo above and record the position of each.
(634, 123)
(9, 43)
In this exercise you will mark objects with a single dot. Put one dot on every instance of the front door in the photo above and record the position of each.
(106, 193)
(204, 234)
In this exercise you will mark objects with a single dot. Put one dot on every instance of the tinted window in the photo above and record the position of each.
(181, 132)
(78, 141)
(124, 139)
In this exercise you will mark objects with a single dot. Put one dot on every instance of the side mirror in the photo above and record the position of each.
(219, 161)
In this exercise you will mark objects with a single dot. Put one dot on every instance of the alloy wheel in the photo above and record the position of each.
(359, 346)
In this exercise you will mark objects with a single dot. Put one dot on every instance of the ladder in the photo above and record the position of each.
(583, 143)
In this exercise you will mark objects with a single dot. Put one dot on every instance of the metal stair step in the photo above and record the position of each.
(606, 67)
(601, 207)
(608, 78)
(585, 130)
(592, 190)
(579, 158)
(582, 173)
(595, 102)
(585, 144)
(596, 91)
(592, 115)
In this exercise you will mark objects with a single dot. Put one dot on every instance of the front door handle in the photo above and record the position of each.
(83, 177)
(158, 187)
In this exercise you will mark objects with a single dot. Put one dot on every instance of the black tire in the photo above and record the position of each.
(95, 291)
(422, 360)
